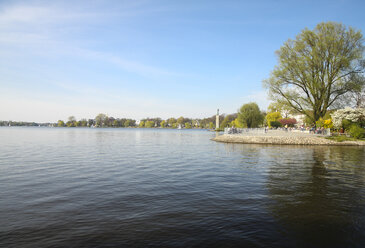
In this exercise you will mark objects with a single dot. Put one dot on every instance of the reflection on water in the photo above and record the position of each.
(175, 188)
(317, 194)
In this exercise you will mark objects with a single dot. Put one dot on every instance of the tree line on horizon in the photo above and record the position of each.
(248, 116)
(103, 120)
(24, 124)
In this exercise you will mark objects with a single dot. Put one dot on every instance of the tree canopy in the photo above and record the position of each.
(273, 116)
(101, 120)
(250, 115)
(317, 68)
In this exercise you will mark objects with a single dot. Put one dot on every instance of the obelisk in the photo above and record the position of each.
(217, 120)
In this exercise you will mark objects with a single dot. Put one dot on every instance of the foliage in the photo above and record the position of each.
(91, 122)
(349, 114)
(187, 125)
(60, 123)
(282, 107)
(211, 125)
(101, 120)
(324, 123)
(320, 122)
(317, 68)
(83, 123)
(308, 121)
(356, 131)
(149, 124)
(195, 123)
(180, 120)
(346, 124)
(225, 122)
(274, 116)
(71, 121)
(236, 123)
(70, 124)
(249, 115)
(171, 121)
(163, 124)
(127, 123)
(288, 121)
(275, 124)
(156, 122)
(328, 123)
(23, 123)
(141, 124)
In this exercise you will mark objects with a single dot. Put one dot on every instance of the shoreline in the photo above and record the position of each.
(282, 140)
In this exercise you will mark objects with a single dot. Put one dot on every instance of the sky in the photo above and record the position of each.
(138, 59)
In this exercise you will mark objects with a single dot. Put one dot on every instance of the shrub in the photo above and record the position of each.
(357, 132)
(328, 123)
(187, 125)
(274, 116)
(320, 122)
(149, 124)
(288, 121)
(346, 124)
(275, 124)
(352, 115)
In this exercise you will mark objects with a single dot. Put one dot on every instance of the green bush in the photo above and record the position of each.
(346, 124)
(356, 131)
(275, 124)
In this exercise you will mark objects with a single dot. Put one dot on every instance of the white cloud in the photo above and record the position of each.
(23, 14)
(128, 65)
(35, 30)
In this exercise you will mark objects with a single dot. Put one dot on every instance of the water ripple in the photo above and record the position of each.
(175, 188)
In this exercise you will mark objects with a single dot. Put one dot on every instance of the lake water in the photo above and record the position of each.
(78, 187)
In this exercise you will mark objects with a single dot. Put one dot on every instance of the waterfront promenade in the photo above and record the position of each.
(279, 137)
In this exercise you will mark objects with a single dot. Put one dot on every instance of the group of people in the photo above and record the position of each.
(315, 130)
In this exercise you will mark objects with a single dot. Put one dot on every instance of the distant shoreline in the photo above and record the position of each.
(282, 140)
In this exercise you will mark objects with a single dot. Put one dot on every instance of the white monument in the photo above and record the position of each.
(217, 120)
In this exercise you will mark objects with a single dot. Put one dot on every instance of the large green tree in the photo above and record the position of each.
(317, 68)
(71, 121)
(101, 120)
(60, 123)
(250, 115)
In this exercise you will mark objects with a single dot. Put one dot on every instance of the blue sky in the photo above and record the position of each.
(138, 59)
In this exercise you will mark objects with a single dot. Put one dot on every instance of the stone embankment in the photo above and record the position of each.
(283, 139)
